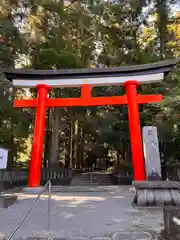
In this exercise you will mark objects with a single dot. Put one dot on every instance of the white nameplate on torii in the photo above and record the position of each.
(151, 152)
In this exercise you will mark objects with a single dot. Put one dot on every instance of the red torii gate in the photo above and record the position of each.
(43, 102)
(87, 78)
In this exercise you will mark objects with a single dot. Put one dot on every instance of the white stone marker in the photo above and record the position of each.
(151, 153)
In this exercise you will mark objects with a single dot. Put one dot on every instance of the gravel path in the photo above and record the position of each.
(88, 214)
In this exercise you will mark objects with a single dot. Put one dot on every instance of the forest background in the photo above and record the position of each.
(50, 34)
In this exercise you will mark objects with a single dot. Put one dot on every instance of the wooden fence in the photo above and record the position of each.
(61, 176)
(64, 176)
(20, 177)
(13, 175)
(170, 172)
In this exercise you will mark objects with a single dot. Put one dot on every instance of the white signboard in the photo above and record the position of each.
(3, 158)
(151, 152)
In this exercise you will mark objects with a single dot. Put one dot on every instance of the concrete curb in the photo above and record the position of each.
(115, 236)
(131, 236)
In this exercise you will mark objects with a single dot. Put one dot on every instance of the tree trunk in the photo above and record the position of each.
(11, 153)
(55, 140)
(47, 146)
(55, 136)
(76, 144)
(81, 147)
(71, 139)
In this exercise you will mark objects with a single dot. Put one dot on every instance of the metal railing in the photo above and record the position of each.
(48, 184)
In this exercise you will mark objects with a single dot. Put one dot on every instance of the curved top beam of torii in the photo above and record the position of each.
(144, 73)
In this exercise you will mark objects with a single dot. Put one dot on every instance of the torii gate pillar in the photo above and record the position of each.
(38, 138)
(135, 130)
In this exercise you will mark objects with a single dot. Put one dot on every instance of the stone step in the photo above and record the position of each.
(101, 179)
(93, 183)
(93, 178)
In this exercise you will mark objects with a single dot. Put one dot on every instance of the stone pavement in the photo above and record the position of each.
(87, 215)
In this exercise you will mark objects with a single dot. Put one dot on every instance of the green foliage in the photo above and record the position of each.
(14, 123)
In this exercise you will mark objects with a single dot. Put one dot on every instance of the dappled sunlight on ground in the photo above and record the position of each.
(88, 214)
(62, 197)
(71, 201)
(118, 197)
